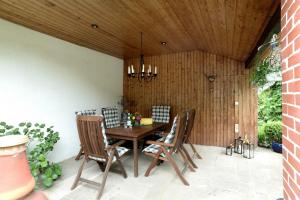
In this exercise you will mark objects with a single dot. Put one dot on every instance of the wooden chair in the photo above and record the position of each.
(190, 124)
(164, 150)
(84, 112)
(95, 146)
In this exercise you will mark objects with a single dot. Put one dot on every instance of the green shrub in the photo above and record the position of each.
(44, 139)
(273, 131)
(270, 104)
(262, 139)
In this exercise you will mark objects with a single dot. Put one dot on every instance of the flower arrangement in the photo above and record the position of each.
(135, 119)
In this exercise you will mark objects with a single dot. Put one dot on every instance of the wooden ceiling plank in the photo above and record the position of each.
(223, 27)
(272, 19)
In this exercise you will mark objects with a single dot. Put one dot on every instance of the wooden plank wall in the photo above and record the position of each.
(182, 83)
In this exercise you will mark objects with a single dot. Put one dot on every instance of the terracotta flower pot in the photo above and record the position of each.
(16, 180)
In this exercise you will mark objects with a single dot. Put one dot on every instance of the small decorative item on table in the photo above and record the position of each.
(238, 145)
(138, 118)
(248, 149)
(229, 149)
(124, 117)
(146, 121)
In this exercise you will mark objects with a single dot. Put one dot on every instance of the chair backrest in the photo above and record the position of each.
(181, 130)
(176, 134)
(92, 135)
(190, 123)
(86, 112)
(111, 117)
(161, 114)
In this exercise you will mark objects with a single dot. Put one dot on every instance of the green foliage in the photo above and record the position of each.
(273, 131)
(44, 139)
(262, 139)
(269, 132)
(263, 69)
(269, 104)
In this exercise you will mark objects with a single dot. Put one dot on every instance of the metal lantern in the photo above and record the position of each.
(229, 150)
(238, 145)
(248, 150)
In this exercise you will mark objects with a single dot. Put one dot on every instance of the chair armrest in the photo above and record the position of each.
(115, 145)
(159, 143)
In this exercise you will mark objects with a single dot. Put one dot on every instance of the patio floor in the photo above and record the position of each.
(218, 177)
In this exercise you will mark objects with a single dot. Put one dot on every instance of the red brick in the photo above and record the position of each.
(284, 131)
(284, 88)
(283, 44)
(297, 71)
(294, 86)
(285, 175)
(288, 121)
(295, 31)
(284, 108)
(292, 10)
(297, 99)
(285, 195)
(294, 137)
(297, 16)
(288, 145)
(284, 153)
(298, 126)
(293, 162)
(298, 152)
(283, 65)
(288, 191)
(283, 21)
(294, 111)
(285, 7)
(288, 168)
(286, 30)
(288, 75)
(295, 188)
(288, 98)
(294, 59)
(297, 43)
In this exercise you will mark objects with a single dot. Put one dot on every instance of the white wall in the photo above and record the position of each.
(44, 79)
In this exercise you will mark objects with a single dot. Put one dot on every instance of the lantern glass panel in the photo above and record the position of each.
(238, 145)
(229, 150)
(248, 150)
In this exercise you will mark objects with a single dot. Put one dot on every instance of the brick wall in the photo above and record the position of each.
(290, 44)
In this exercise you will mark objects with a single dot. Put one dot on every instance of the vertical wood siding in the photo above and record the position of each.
(182, 83)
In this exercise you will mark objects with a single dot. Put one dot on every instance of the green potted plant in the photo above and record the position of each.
(273, 132)
(41, 141)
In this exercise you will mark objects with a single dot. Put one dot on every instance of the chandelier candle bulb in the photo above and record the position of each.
(143, 69)
(150, 69)
(132, 70)
(129, 70)
(155, 70)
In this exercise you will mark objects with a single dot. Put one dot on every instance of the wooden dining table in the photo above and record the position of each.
(134, 134)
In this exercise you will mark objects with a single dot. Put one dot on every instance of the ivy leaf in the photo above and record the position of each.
(22, 124)
(48, 182)
(29, 124)
(54, 176)
(2, 124)
(44, 164)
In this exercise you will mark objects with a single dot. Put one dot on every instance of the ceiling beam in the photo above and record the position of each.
(271, 24)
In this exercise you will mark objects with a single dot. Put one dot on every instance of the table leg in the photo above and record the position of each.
(135, 157)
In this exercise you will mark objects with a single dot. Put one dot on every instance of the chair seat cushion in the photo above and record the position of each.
(153, 148)
(121, 151)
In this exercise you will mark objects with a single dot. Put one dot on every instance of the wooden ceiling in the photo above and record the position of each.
(224, 27)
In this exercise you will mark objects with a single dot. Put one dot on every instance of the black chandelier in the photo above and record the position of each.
(141, 74)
